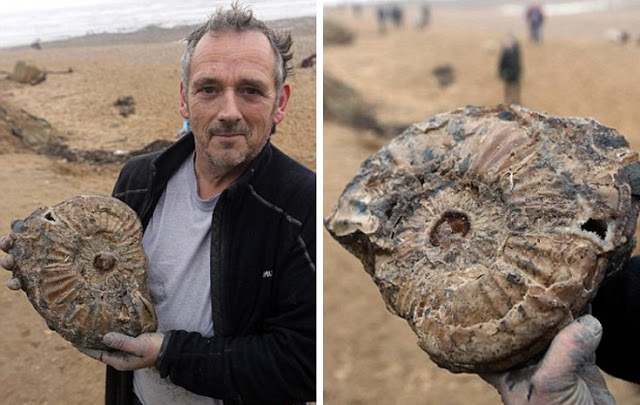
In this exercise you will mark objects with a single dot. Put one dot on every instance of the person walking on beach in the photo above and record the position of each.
(535, 19)
(425, 16)
(381, 16)
(229, 229)
(509, 69)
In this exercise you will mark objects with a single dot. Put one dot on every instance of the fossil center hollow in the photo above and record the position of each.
(450, 223)
(104, 261)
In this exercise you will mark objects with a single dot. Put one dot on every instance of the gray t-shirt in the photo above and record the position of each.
(178, 242)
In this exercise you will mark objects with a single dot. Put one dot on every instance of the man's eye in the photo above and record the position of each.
(252, 91)
(208, 90)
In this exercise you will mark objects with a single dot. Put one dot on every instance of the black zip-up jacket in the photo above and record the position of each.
(617, 307)
(263, 283)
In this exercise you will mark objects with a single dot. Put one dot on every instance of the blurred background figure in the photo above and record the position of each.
(425, 16)
(381, 15)
(397, 15)
(535, 19)
(357, 9)
(186, 128)
(509, 69)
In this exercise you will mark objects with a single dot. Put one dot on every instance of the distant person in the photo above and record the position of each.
(381, 14)
(535, 19)
(509, 69)
(425, 16)
(357, 9)
(397, 16)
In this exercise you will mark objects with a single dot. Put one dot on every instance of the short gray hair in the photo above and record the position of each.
(241, 19)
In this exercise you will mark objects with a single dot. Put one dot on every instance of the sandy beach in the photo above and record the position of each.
(371, 356)
(36, 365)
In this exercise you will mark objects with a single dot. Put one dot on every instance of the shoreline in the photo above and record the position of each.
(154, 34)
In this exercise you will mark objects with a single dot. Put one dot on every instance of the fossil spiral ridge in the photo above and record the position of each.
(490, 228)
(83, 268)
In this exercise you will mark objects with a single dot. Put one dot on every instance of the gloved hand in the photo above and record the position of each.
(131, 353)
(566, 375)
(7, 261)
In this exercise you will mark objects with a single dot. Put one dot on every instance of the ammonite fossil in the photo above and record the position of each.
(490, 228)
(82, 265)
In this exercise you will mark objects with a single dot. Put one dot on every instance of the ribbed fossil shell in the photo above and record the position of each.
(490, 228)
(82, 265)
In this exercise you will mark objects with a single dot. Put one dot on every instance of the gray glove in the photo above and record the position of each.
(7, 262)
(566, 375)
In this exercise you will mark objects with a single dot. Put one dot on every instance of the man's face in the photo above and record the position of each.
(231, 100)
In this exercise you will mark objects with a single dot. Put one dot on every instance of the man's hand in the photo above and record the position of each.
(566, 375)
(131, 353)
(7, 262)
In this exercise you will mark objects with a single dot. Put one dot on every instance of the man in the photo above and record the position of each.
(535, 18)
(509, 69)
(230, 233)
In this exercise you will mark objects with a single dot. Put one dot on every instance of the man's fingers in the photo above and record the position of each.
(495, 379)
(93, 353)
(5, 243)
(115, 359)
(7, 262)
(14, 284)
(121, 342)
(571, 350)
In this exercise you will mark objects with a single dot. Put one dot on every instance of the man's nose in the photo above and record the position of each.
(229, 111)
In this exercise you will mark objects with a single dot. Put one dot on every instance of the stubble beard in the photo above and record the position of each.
(227, 159)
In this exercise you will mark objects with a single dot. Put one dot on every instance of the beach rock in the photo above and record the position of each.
(490, 228)
(27, 73)
(444, 74)
(309, 61)
(343, 104)
(617, 35)
(126, 105)
(35, 132)
(83, 268)
(335, 33)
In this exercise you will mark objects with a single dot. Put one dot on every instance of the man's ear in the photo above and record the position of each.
(184, 107)
(281, 107)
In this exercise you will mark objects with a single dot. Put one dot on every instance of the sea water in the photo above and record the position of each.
(23, 22)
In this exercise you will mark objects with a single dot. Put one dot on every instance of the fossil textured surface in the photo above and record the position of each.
(82, 265)
(490, 228)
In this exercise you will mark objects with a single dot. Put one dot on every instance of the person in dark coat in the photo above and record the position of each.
(510, 70)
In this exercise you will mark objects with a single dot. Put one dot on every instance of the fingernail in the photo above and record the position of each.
(590, 323)
(4, 243)
(108, 339)
(14, 284)
(7, 262)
